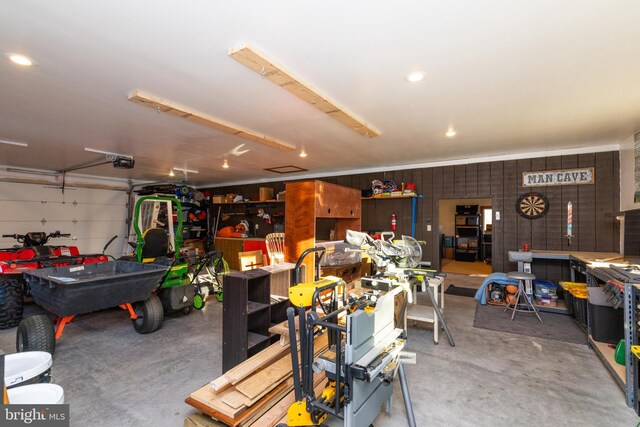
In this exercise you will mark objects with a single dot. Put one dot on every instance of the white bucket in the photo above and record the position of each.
(36, 394)
(26, 367)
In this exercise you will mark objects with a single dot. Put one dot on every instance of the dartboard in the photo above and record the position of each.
(532, 205)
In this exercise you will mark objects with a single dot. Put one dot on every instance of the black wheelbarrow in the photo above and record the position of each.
(69, 291)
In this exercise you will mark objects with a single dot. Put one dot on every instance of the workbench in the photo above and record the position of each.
(578, 260)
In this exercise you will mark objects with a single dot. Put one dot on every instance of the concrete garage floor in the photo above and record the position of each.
(113, 376)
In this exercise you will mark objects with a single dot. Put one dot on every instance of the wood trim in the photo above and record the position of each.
(267, 68)
(164, 106)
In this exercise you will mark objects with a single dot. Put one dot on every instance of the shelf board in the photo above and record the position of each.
(560, 307)
(606, 354)
(254, 339)
(253, 307)
(420, 313)
(391, 197)
(253, 202)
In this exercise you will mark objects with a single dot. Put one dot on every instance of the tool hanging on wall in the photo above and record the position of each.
(393, 222)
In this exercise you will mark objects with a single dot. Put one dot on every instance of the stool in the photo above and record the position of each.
(522, 278)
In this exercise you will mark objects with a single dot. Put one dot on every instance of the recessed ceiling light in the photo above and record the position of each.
(415, 76)
(303, 153)
(225, 164)
(19, 59)
(450, 133)
(171, 173)
(19, 144)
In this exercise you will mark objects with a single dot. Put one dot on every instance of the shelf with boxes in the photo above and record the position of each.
(468, 233)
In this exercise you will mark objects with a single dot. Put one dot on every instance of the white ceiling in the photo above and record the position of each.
(509, 76)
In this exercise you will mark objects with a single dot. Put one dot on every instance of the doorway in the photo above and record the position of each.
(465, 227)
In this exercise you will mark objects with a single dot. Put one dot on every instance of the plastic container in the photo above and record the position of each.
(547, 300)
(544, 287)
(36, 394)
(607, 323)
(580, 306)
(27, 368)
(79, 289)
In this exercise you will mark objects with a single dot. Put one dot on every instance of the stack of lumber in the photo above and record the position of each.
(256, 392)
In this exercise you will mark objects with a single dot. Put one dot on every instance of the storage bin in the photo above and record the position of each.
(580, 307)
(547, 300)
(544, 287)
(607, 323)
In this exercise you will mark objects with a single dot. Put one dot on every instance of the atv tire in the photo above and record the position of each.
(150, 315)
(36, 333)
(11, 302)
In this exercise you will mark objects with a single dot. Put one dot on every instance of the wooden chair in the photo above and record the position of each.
(275, 248)
(250, 260)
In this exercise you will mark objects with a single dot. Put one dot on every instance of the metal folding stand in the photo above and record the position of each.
(436, 309)
(408, 406)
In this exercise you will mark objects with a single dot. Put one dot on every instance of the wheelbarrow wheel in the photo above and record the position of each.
(36, 333)
(150, 315)
(11, 303)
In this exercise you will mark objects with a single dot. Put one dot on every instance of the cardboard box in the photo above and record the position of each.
(281, 195)
(266, 193)
(218, 198)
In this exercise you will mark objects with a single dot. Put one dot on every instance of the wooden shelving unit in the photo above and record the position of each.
(246, 316)
(252, 202)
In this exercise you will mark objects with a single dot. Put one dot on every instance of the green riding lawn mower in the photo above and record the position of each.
(157, 222)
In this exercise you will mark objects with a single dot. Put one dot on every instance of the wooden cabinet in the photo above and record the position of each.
(310, 200)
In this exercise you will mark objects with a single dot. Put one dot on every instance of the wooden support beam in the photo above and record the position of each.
(261, 64)
(164, 106)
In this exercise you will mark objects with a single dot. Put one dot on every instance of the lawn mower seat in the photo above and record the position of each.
(156, 243)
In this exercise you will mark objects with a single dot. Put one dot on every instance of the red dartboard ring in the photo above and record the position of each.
(532, 205)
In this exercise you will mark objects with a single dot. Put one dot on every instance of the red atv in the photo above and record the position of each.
(33, 254)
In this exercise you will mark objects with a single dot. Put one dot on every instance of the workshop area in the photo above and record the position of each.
(360, 215)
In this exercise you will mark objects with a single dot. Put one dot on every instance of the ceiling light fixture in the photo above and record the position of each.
(17, 144)
(303, 153)
(184, 170)
(171, 173)
(225, 164)
(415, 76)
(450, 133)
(161, 105)
(258, 62)
(19, 59)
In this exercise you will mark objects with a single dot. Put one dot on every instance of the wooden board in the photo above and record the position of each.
(249, 366)
(201, 420)
(256, 384)
(278, 412)
(257, 61)
(164, 106)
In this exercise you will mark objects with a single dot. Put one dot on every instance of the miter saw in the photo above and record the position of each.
(399, 261)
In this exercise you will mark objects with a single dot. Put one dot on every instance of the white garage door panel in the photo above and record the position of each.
(99, 215)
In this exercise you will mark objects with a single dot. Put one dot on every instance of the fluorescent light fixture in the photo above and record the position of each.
(450, 133)
(415, 76)
(184, 170)
(108, 153)
(267, 68)
(20, 59)
(225, 164)
(17, 144)
(161, 105)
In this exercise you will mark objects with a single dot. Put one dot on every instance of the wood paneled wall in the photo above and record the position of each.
(594, 206)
